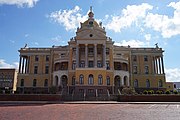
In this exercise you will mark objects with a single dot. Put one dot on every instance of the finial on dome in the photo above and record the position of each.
(90, 8)
(91, 14)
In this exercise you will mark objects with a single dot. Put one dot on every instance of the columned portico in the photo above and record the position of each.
(158, 65)
(24, 64)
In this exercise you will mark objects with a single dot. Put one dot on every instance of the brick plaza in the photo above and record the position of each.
(90, 111)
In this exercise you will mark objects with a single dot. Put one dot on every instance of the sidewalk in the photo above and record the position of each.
(4, 103)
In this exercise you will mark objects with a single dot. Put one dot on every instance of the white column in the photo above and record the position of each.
(26, 65)
(159, 66)
(23, 66)
(77, 55)
(86, 55)
(122, 80)
(28, 71)
(95, 55)
(20, 64)
(162, 64)
(153, 66)
(156, 66)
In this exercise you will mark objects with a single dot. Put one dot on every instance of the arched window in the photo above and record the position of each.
(81, 79)
(108, 80)
(136, 83)
(90, 80)
(160, 83)
(73, 80)
(100, 80)
(147, 83)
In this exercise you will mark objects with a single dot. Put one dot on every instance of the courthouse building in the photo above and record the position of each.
(90, 64)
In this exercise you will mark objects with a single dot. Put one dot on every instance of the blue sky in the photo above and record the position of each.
(44, 23)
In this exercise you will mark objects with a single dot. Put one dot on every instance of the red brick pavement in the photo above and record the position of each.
(91, 112)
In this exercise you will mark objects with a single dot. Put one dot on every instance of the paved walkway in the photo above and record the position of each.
(78, 102)
(85, 110)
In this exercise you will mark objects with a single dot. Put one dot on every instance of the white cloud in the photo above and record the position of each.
(20, 3)
(12, 41)
(56, 39)
(3, 64)
(26, 35)
(131, 43)
(130, 15)
(147, 37)
(168, 26)
(36, 43)
(70, 19)
(172, 75)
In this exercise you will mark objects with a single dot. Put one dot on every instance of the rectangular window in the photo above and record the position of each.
(146, 69)
(99, 64)
(135, 69)
(107, 51)
(99, 50)
(47, 58)
(63, 55)
(35, 69)
(108, 80)
(73, 80)
(91, 64)
(36, 58)
(82, 50)
(74, 51)
(34, 82)
(82, 65)
(74, 65)
(46, 83)
(134, 57)
(81, 90)
(100, 90)
(90, 90)
(47, 70)
(107, 65)
(146, 58)
(22, 83)
(90, 51)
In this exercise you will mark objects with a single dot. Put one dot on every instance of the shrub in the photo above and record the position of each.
(149, 92)
(53, 90)
(152, 91)
(167, 92)
(159, 92)
(128, 90)
(175, 92)
(145, 92)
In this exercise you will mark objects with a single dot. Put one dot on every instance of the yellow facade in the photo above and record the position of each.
(170, 86)
(90, 63)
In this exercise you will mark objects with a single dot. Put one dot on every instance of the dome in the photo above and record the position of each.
(90, 22)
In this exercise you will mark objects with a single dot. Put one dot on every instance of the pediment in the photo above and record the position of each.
(91, 34)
